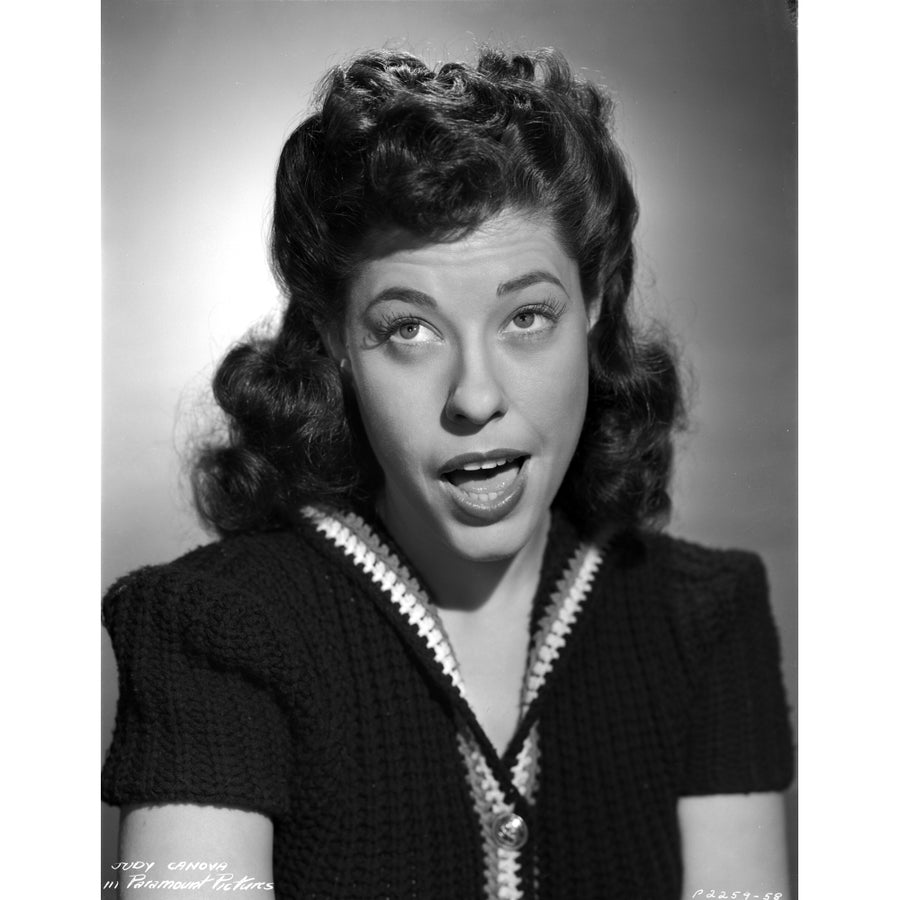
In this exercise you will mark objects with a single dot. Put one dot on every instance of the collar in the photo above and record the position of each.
(502, 790)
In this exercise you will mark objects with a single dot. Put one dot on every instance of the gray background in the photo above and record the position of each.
(198, 98)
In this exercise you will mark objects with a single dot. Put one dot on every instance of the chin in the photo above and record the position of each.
(445, 530)
(489, 543)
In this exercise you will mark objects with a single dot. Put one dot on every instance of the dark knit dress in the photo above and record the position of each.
(304, 674)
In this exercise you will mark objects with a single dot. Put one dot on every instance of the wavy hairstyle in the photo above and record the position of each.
(394, 143)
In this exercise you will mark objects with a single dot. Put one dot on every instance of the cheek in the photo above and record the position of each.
(394, 410)
(555, 390)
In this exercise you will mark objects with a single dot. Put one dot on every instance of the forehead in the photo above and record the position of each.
(498, 252)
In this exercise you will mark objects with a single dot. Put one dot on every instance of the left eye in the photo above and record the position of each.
(531, 321)
(409, 331)
(524, 320)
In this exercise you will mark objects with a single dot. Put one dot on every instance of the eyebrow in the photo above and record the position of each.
(419, 298)
(407, 295)
(523, 281)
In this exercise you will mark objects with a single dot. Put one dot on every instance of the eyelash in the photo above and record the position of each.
(388, 325)
(550, 308)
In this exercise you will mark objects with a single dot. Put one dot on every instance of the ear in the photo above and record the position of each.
(335, 343)
(333, 338)
(593, 310)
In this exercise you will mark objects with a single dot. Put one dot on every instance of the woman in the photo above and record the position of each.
(440, 652)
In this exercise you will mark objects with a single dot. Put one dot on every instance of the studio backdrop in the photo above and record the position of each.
(198, 98)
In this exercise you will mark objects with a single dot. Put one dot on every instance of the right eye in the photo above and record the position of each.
(408, 331)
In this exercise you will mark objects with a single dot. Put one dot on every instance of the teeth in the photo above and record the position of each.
(488, 464)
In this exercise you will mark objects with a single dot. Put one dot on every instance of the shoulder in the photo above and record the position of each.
(696, 587)
(690, 563)
(250, 564)
(238, 560)
(241, 597)
(674, 562)
(209, 660)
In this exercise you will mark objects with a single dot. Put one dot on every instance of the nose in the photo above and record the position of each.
(476, 394)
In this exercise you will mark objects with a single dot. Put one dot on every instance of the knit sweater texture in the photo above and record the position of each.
(304, 674)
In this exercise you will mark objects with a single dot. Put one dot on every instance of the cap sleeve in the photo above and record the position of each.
(739, 737)
(196, 720)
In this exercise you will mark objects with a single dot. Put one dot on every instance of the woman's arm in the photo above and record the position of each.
(224, 846)
(734, 845)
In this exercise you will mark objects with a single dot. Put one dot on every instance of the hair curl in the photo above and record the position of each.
(437, 152)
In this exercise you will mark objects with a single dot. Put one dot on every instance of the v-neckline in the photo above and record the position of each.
(563, 586)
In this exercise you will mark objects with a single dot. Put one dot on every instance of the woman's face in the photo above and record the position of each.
(470, 365)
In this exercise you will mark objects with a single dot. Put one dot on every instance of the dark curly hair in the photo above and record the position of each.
(437, 152)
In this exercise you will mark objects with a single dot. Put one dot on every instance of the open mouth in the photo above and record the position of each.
(486, 480)
(486, 487)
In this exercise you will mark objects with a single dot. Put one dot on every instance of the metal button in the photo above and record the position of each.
(509, 831)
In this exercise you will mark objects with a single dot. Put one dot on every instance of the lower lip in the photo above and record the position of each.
(478, 506)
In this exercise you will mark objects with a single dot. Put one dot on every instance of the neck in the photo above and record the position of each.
(458, 583)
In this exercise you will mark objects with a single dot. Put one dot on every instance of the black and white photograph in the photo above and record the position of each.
(449, 540)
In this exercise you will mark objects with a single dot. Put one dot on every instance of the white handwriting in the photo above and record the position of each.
(183, 866)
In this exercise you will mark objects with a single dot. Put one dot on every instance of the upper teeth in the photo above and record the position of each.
(487, 464)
